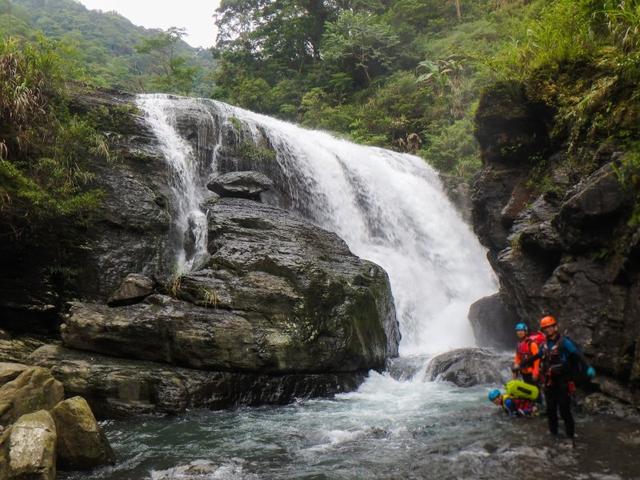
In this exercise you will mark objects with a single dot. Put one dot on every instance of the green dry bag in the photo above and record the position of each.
(521, 389)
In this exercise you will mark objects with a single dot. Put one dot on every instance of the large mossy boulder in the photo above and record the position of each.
(32, 390)
(278, 296)
(82, 444)
(28, 448)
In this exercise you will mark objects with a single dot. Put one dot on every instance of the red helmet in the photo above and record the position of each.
(547, 322)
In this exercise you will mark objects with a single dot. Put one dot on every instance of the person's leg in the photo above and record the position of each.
(551, 397)
(564, 403)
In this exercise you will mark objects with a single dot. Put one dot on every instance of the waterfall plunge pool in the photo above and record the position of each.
(385, 430)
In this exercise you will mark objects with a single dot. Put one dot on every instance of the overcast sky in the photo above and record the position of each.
(196, 16)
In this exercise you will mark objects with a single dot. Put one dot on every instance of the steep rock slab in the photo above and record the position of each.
(303, 279)
(34, 389)
(129, 233)
(119, 387)
(82, 444)
(30, 448)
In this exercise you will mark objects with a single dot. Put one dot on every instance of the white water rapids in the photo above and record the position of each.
(389, 207)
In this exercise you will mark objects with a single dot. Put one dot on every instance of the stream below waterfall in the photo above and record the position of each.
(385, 430)
(390, 208)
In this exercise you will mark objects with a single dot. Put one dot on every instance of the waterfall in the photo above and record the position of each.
(187, 185)
(389, 207)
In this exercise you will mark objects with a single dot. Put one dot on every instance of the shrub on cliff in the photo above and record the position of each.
(43, 148)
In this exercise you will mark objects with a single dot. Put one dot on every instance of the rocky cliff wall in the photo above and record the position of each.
(558, 223)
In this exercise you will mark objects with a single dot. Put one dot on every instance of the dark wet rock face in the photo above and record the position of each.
(128, 234)
(492, 322)
(562, 243)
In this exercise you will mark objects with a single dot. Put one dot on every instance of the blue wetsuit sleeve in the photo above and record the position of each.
(569, 346)
(572, 349)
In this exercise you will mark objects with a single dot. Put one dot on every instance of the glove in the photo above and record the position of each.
(591, 372)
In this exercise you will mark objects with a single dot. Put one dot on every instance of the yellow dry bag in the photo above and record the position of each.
(521, 389)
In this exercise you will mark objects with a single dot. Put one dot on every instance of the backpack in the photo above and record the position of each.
(538, 338)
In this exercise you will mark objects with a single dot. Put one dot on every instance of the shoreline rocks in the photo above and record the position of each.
(40, 432)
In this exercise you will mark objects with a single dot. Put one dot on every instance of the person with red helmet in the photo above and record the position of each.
(558, 353)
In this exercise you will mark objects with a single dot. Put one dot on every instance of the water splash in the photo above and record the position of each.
(389, 207)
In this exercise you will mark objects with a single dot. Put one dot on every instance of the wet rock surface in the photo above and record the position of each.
(493, 323)
(133, 289)
(116, 387)
(466, 367)
(280, 297)
(567, 249)
(29, 448)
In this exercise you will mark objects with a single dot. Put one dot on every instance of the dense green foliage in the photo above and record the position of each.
(44, 182)
(407, 74)
(111, 50)
(404, 74)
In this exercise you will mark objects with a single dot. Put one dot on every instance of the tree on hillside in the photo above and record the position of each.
(172, 74)
(358, 44)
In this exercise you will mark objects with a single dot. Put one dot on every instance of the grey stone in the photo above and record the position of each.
(82, 444)
(466, 367)
(34, 389)
(247, 184)
(31, 445)
(133, 289)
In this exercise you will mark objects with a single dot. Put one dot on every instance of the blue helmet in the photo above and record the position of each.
(493, 394)
(522, 326)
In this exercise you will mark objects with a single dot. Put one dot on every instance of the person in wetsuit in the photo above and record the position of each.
(559, 355)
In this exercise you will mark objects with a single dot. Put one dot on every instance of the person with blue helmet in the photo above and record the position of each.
(559, 353)
(515, 407)
(526, 361)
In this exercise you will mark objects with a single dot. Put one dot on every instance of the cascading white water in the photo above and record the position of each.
(187, 185)
(389, 207)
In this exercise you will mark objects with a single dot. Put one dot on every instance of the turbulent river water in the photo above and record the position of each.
(390, 208)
